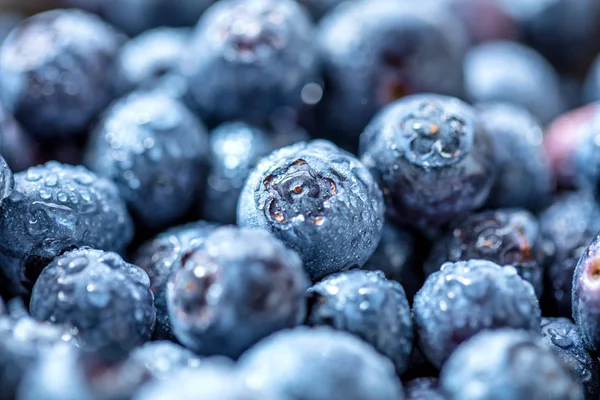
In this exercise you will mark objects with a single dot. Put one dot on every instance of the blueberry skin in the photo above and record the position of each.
(162, 255)
(508, 237)
(431, 157)
(568, 226)
(22, 341)
(108, 300)
(56, 71)
(320, 201)
(587, 156)
(562, 336)
(153, 148)
(7, 180)
(17, 147)
(320, 364)
(509, 72)
(467, 297)
(210, 381)
(374, 52)
(319, 8)
(56, 207)
(586, 296)
(164, 358)
(423, 389)
(235, 149)
(368, 305)
(151, 60)
(135, 16)
(247, 74)
(239, 287)
(396, 257)
(507, 365)
(67, 373)
(525, 177)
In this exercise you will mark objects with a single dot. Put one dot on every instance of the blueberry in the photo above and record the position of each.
(161, 256)
(248, 58)
(152, 147)
(320, 364)
(235, 148)
(22, 341)
(423, 389)
(375, 52)
(320, 201)
(56, 71)
(238, 287)
(548, 27)
(525, 178)
(210, 381)
(592, 83)
(164, 358)
(106, 299)
(587, 156)
(17, 147)
(66, 373)
(507, 364)
(467, 297)
(152, 60)
(562, 336)
(562, 140)
(7, 181)
(397, 257)
(368, 305)
(135, 16)
(432, 158)
(568, 226)
(586, 296)
(57, 207)
(510, 72)
(509, 237)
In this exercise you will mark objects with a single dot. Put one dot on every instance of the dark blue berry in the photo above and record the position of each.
(375, 52)
(397, 257)
(320, 201)
(235, 148)
(56, 71)
(568, 226)
(320, 364)
(22, 341)
(161, 256)
(509, 237)
(107, 300)
(423, 389)
(586, 296)
(368, 305)
(248, 58)
(57, 207)
(18, 149)
(238, 287)
(153, 148)
(215, 380)
(525, 178)
(507, 365)
(432, 158)
(562, 336)
(510, 72)
(467, 297)
(151, 61)
(587, 156)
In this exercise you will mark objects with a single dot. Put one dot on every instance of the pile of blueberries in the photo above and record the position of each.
(300, 200)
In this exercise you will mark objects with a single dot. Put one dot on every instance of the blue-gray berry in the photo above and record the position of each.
(56, 207)
(507, 365)
(368, 305)
(238, 287)
(467, 297)
(162, 255)
(320, 201)
(107, 300)
(320, 364)
(153, 148)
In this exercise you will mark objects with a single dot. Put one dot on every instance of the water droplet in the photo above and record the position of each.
(62, 197)
(65, 297)
(96, 296)
(364, 305)
(51, 180)
(45, 195)
(77, 264)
